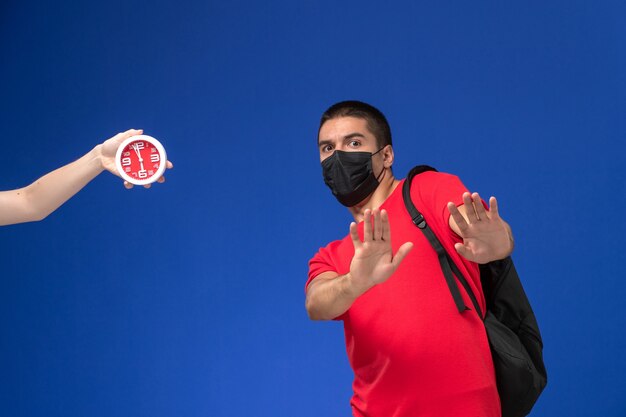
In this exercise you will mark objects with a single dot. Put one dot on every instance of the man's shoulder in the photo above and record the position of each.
(433, 176)
(336, 245)
(335, 251)
(430, 181)
(335, 257)
(431, 192)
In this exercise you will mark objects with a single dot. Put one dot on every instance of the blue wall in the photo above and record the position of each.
(187, 299)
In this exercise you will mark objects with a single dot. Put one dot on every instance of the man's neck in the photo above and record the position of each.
(387, 184)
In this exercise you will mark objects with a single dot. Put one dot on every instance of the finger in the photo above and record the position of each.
(127, 134)
(367, 226)
(169, 165)
(147, 186)
(493, 208)
(384, 222)
(128, 185)
(131, 132)
(378, 228)
(463, 251)
(469, 207)
(403, 251)
(161, 180)
(481, 213)
(354, 234)
(458, 217)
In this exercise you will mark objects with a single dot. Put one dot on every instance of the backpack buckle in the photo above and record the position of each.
(419, 221)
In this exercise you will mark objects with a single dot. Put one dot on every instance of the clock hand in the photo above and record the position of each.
(136, 148)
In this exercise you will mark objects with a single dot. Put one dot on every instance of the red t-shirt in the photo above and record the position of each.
(412, 352)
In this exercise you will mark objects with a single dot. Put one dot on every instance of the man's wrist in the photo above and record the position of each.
(353, 288)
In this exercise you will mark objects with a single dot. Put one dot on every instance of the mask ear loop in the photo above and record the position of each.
(379, 150)
(382, 172)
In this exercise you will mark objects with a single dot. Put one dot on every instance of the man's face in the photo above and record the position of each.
(348, 134)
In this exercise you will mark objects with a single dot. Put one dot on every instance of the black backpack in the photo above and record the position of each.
(512, 330)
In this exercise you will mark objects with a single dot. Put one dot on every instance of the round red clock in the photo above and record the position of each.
(141, 159)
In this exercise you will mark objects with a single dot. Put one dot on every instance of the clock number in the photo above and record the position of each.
(139, 145)
(125, 162)
(142, 173)
(155, 157)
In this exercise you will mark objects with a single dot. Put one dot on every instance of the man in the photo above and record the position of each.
(42, 197)
(412, 352)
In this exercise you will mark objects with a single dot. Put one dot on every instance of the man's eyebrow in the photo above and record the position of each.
(347, 137)
(354, 135)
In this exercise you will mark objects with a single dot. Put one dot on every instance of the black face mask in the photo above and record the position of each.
(350, 177)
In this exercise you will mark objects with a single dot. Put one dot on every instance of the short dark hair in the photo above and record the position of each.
(376, 121)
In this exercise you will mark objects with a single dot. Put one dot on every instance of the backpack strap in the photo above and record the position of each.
(448, 266)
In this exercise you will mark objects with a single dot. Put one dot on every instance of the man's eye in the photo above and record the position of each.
(327, 148)
(355, 143)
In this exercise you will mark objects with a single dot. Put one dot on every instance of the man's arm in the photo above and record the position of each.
(37, 200)
(328, 296)
(486, 236)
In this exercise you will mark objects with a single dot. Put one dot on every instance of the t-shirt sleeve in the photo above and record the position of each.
(319, 264)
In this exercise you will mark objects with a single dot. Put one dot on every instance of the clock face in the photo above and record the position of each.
(141, 160)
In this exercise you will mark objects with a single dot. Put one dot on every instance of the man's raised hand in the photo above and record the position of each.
(486, 237)
(374, 261)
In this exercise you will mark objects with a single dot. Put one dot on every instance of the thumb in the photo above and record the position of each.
(403, 251)
(462, 250)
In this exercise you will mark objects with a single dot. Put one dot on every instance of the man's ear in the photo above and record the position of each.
(387, 156)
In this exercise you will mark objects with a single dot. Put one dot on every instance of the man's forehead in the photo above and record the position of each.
(342, 127)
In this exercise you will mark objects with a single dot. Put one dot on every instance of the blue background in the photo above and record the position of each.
(188, 299)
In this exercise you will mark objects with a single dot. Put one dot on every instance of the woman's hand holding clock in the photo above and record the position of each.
(116, 158)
